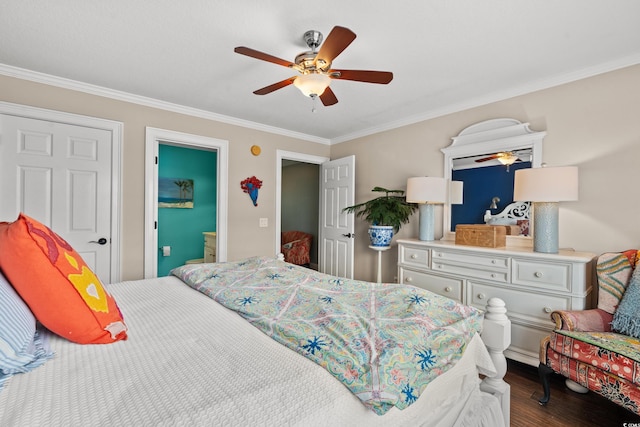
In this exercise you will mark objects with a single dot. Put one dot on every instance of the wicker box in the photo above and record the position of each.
(512, 230)
(486, 236)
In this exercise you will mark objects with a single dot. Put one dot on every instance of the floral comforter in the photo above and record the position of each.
(385, 342)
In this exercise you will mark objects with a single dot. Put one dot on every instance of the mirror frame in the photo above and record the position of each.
(486, 138)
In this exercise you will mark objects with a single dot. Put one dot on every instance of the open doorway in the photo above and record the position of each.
(297, 197)
(301, 204)
(187, 204)
(155, 138)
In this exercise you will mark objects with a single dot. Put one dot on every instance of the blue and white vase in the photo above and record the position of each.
(380, 235)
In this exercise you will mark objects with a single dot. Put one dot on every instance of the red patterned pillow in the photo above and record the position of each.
(57, 285)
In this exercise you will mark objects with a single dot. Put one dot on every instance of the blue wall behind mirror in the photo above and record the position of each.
(481, 185)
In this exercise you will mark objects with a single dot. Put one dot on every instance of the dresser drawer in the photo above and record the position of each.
(525, 305)
(209, 255)
(500, 276)
(494, 268)
(441, 285)
(210, 241)
(494, 262)
(554, 276)
(416, 256)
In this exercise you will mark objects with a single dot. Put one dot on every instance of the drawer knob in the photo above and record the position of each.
(439, 254)
(547, 310)
(493, 275)
(409, 279)
(481, 296)
(493, 261)
(538, 274)
(448, 289)
(414, 256)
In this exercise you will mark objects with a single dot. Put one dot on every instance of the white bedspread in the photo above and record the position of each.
(190, 361)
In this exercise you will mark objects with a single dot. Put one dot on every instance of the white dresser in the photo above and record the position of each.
(209, 246)
(532, 284)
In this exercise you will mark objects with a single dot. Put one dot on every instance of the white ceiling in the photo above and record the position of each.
(445, 55)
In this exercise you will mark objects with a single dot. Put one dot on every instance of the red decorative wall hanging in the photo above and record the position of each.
(251, 186)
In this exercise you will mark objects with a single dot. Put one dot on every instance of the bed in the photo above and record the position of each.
(190, 361)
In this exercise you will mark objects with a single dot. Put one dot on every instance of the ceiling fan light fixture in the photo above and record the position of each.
(312, 84)
(507, 158)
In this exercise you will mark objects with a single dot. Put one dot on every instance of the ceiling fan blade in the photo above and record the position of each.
(484, 159)
(263, 56)
(381, 77)
(337, 41)
(328, 97)
(268, 89)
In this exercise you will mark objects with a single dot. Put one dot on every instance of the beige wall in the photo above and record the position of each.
(245, 237)
(592, 123)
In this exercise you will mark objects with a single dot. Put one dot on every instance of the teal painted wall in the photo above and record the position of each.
(182, 228)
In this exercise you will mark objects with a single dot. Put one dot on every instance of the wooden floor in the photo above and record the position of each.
(566, 408)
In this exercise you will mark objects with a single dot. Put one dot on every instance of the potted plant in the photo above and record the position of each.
(385, 214)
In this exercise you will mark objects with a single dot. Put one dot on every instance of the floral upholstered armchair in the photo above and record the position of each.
(296, 247)
(599, 349)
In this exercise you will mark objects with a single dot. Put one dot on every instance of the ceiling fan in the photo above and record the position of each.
(505, 157)
(314, 66)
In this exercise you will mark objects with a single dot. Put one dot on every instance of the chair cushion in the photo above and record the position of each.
(614, 271)
(611, 352)
(626, 319)
(57, 285)
(597, 376)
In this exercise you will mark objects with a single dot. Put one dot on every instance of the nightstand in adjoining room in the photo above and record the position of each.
(209, 246)
(532, 284)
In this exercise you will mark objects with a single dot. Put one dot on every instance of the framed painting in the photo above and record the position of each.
(175, 193)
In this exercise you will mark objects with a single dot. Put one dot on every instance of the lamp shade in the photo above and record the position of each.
(456, 192)
(427, 189)
(312, 84)
(544, 184)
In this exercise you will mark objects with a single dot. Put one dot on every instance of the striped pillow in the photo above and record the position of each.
(22, 348)
(614, 271)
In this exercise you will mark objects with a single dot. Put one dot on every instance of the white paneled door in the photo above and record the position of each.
(60, 174)
(337, 183)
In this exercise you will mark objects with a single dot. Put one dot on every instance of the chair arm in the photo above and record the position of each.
(593, 320)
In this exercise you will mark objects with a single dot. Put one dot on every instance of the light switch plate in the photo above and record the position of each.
(264, 222)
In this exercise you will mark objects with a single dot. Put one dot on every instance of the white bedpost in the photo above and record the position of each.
(496, 334)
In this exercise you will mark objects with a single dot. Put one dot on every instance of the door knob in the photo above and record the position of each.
(100, 241)
(349, 235)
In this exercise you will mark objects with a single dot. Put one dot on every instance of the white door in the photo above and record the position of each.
(337, 183)
(60, 175)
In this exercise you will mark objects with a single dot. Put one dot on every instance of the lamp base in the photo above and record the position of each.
(427, 221)
(545, 227)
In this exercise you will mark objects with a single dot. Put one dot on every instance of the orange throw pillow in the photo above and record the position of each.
(57, 285)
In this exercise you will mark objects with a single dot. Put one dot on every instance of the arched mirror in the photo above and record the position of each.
(485, 156)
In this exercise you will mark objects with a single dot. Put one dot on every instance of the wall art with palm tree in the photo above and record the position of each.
(175, 193)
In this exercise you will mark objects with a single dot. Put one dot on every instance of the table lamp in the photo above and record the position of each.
(427, 191)
(545, 187)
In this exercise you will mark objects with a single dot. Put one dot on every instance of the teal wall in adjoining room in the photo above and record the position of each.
(182, 228)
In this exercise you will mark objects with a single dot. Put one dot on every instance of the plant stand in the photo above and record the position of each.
(380, 249)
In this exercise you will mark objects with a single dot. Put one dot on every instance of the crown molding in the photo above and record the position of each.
(497, 96)
(64, 83)
(530, 87)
